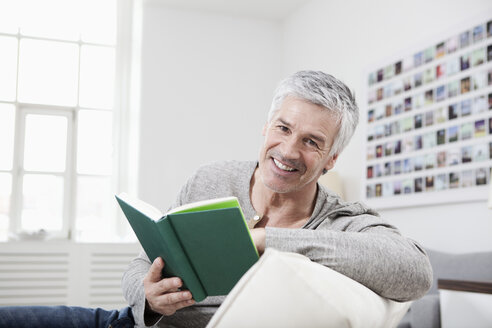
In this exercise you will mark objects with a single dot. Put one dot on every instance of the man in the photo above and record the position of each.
(312, 118)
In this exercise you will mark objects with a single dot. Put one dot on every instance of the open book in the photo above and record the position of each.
(207, 244)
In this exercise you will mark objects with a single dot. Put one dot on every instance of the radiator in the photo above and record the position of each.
(64, 273)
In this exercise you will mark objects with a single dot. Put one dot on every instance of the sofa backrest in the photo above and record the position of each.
(467, 266)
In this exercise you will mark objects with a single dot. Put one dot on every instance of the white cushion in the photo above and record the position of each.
(288, 290)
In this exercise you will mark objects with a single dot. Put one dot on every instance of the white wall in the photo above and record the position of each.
(207, 83)
(344, 38)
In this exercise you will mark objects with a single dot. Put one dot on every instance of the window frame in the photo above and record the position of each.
(122, 173)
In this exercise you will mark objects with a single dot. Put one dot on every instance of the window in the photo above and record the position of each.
(58, 153)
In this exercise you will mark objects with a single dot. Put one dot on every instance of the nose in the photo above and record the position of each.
(290, 148)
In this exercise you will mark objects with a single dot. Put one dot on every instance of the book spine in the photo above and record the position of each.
(182, 268)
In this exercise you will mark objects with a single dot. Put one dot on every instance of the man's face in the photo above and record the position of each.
(297, 142)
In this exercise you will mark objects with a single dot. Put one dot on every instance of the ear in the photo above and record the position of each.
(265, 128)
(331, 162)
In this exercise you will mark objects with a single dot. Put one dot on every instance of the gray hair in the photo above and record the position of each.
(325, 90)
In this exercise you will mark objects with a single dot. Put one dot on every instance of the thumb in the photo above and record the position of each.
(155, 270)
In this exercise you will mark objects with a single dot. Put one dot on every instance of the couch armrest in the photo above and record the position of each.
(288, 290)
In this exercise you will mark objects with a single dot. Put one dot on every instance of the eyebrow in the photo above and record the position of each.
(310, 135)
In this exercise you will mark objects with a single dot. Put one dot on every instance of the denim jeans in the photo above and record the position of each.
(64, 316)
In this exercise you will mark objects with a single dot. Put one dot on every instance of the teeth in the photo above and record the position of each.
(282, 166)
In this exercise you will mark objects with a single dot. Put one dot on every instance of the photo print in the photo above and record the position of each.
(429, 183)
(417, 142)
(429, 118)
(489, 52)
(466, 154)
(418, 163)
(418, 79)
(489, 28)
(452, 44)
(480, 130)
(440, 50)
(418, 184)
(397, 187)
(452, 111)
(407, 83)
(466, 131)
(478, 33)
(389, 72)
(370, 191)
(418, 59)
(379, 191)
(397, 167)
(407, 165)
(465, 85)
(480, 104)
(478, 57)
(441, 115)
(418, 121)
(454, 180)
(429, 75)
(479, 80)
(398, 107)
(467, 179)
(418, 100)
(429, 140)
(407, 186)
(407, 144)
(466, 107)
(453, 89)
(453, 66)
(387, 189)
(441, 136)
(441, 159)
(465, 61)
(398, 67)
(429, 54)
(452, 134)
(440, 93)
(379, 151)
(480, 152)
(387, 169)
(464, 39)
(370, 152)
(380, 75)
(430, 161)
(429, 97)
(407, 63)
(441, 70)
(453, 156)
(481, 177)
(441, 182)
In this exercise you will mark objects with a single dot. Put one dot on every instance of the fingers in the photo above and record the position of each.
(154, 274)
(168, 304)
(163, 295)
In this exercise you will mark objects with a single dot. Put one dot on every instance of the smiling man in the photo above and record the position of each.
(312, 118)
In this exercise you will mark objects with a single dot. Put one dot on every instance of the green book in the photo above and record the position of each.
(207, 244)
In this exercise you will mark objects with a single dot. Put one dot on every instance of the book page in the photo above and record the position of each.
(145, 208)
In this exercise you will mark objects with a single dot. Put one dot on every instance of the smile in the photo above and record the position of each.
(283, 167)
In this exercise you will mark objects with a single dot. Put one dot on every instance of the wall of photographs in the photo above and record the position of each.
(429, 123)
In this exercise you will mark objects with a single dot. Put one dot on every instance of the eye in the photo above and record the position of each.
(283, 128)
(312, 143)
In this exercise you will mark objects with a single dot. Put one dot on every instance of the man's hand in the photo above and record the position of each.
(258, 235)
(163, 295)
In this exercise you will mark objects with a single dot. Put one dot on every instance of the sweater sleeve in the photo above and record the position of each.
(364, 248)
